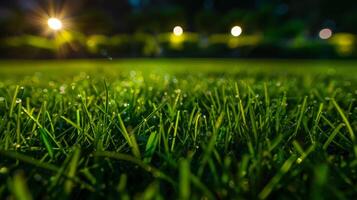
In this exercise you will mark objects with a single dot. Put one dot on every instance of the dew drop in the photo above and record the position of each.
(299, 160)
(4, 170)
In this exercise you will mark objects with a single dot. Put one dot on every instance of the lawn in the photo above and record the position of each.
(178, 129)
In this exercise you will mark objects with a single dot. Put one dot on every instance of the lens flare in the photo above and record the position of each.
(178, 31)
(54, 24)
(236, 31)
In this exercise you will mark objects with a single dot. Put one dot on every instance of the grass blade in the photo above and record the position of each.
(184, 179)
(275, 180)
(20, 188)
(332, 136)
(348, 125)
(130, 138)
(175, 131)
(151, 146)
(13, 102)
(73, 164)
(45, 141)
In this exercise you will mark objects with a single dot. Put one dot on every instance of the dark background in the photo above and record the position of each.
(278, 22)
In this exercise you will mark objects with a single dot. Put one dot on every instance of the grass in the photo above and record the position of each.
(182, 129)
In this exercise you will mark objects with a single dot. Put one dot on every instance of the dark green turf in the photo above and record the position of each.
(178, 129)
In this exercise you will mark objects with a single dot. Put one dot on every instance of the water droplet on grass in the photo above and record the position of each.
(299, 160)
(4, 170)
(16, 145)
(62, 89)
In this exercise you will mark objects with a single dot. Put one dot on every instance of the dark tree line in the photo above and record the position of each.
(280, 17)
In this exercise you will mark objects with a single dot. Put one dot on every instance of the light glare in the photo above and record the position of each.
(54, 24)
(178, 31)
(325, 33)
(236, 31)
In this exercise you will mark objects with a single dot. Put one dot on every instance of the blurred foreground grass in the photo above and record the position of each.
(185, 129)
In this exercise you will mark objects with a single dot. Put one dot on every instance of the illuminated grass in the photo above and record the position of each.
(187, 129)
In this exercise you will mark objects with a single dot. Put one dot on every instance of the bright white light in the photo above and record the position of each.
(54, 24)
(236, 31)
(178, 31)
(325, 33)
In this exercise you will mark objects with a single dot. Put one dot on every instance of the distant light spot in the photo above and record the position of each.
(178, 31)
(325, 33)
(55, 24)
(236, 31)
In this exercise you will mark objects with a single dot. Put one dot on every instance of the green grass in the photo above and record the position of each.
(181, 129)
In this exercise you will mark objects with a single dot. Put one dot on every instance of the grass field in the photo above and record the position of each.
(178, 129)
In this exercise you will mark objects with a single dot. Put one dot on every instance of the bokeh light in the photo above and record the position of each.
(178, 31)
(236, 31)
(325, 33)
(54, 24)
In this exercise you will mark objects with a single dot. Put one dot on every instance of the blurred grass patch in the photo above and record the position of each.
(188, 44)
